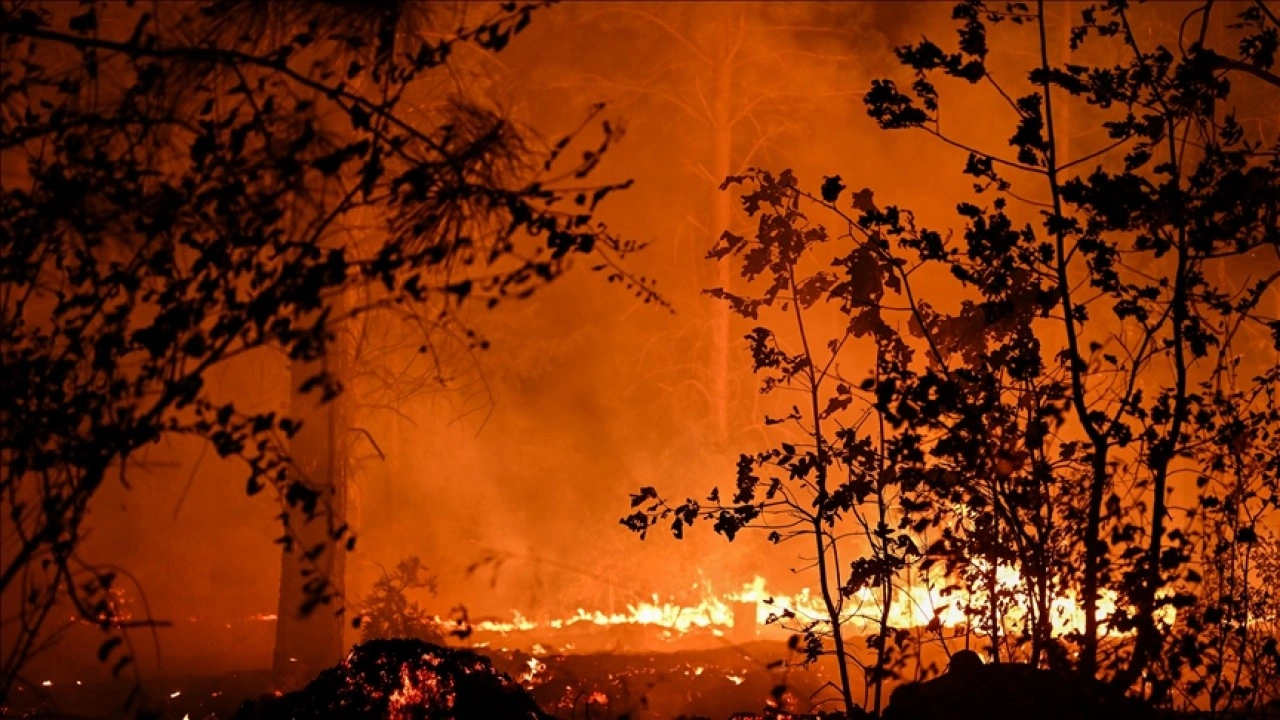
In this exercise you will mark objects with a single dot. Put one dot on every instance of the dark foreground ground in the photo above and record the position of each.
(714, 683)
(728, 682)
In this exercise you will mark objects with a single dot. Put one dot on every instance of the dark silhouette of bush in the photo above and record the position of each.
(972, 690)
(388, 612)
(402, 679)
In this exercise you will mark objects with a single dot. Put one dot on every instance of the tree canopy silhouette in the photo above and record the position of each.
(178, 193)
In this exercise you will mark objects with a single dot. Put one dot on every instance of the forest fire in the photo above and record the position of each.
(530, 360)
(753, 612)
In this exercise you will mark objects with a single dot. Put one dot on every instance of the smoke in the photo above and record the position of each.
(510, 479)
(509, 482)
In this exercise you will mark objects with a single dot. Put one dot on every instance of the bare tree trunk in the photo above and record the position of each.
(309, 642)
(721, 213)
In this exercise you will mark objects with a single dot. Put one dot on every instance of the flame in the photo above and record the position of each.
(719, 612)
(529, 678)
(925, 600)
(417, 690)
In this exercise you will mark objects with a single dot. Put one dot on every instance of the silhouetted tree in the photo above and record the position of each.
(1096, 414)
(177, 195)
(1145, 368)
(829, 481)
(735, 78)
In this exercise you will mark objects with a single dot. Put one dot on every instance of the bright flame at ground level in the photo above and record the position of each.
(756, 608)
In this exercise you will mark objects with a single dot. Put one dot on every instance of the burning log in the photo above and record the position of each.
(403, 679)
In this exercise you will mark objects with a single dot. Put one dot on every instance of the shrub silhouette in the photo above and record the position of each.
(970, 690)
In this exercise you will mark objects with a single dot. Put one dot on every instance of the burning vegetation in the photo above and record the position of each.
(400, 680)
(960, 322)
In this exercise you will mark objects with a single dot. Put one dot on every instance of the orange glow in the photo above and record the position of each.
(506, 470)
(775, 613)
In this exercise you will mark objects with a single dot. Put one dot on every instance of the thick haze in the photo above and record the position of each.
(586, 394)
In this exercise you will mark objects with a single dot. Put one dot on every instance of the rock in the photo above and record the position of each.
(402, 679)
(971, 690)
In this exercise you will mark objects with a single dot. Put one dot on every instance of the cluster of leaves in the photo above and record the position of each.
(180, 196)
(1111, 338)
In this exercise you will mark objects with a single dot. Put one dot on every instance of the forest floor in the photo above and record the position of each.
(715, 683)
(712, 683)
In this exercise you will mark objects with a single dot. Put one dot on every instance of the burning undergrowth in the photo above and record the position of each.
(403, 679)
(411, 678)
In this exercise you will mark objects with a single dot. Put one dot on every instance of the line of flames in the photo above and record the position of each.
(916, 606)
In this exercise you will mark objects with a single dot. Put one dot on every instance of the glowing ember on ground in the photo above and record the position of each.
(531, 675)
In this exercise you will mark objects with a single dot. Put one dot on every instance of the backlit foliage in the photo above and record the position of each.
(178, 194)
(1068, 402)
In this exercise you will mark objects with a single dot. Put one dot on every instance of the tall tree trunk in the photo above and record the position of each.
(309, 642)
(721, 215)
